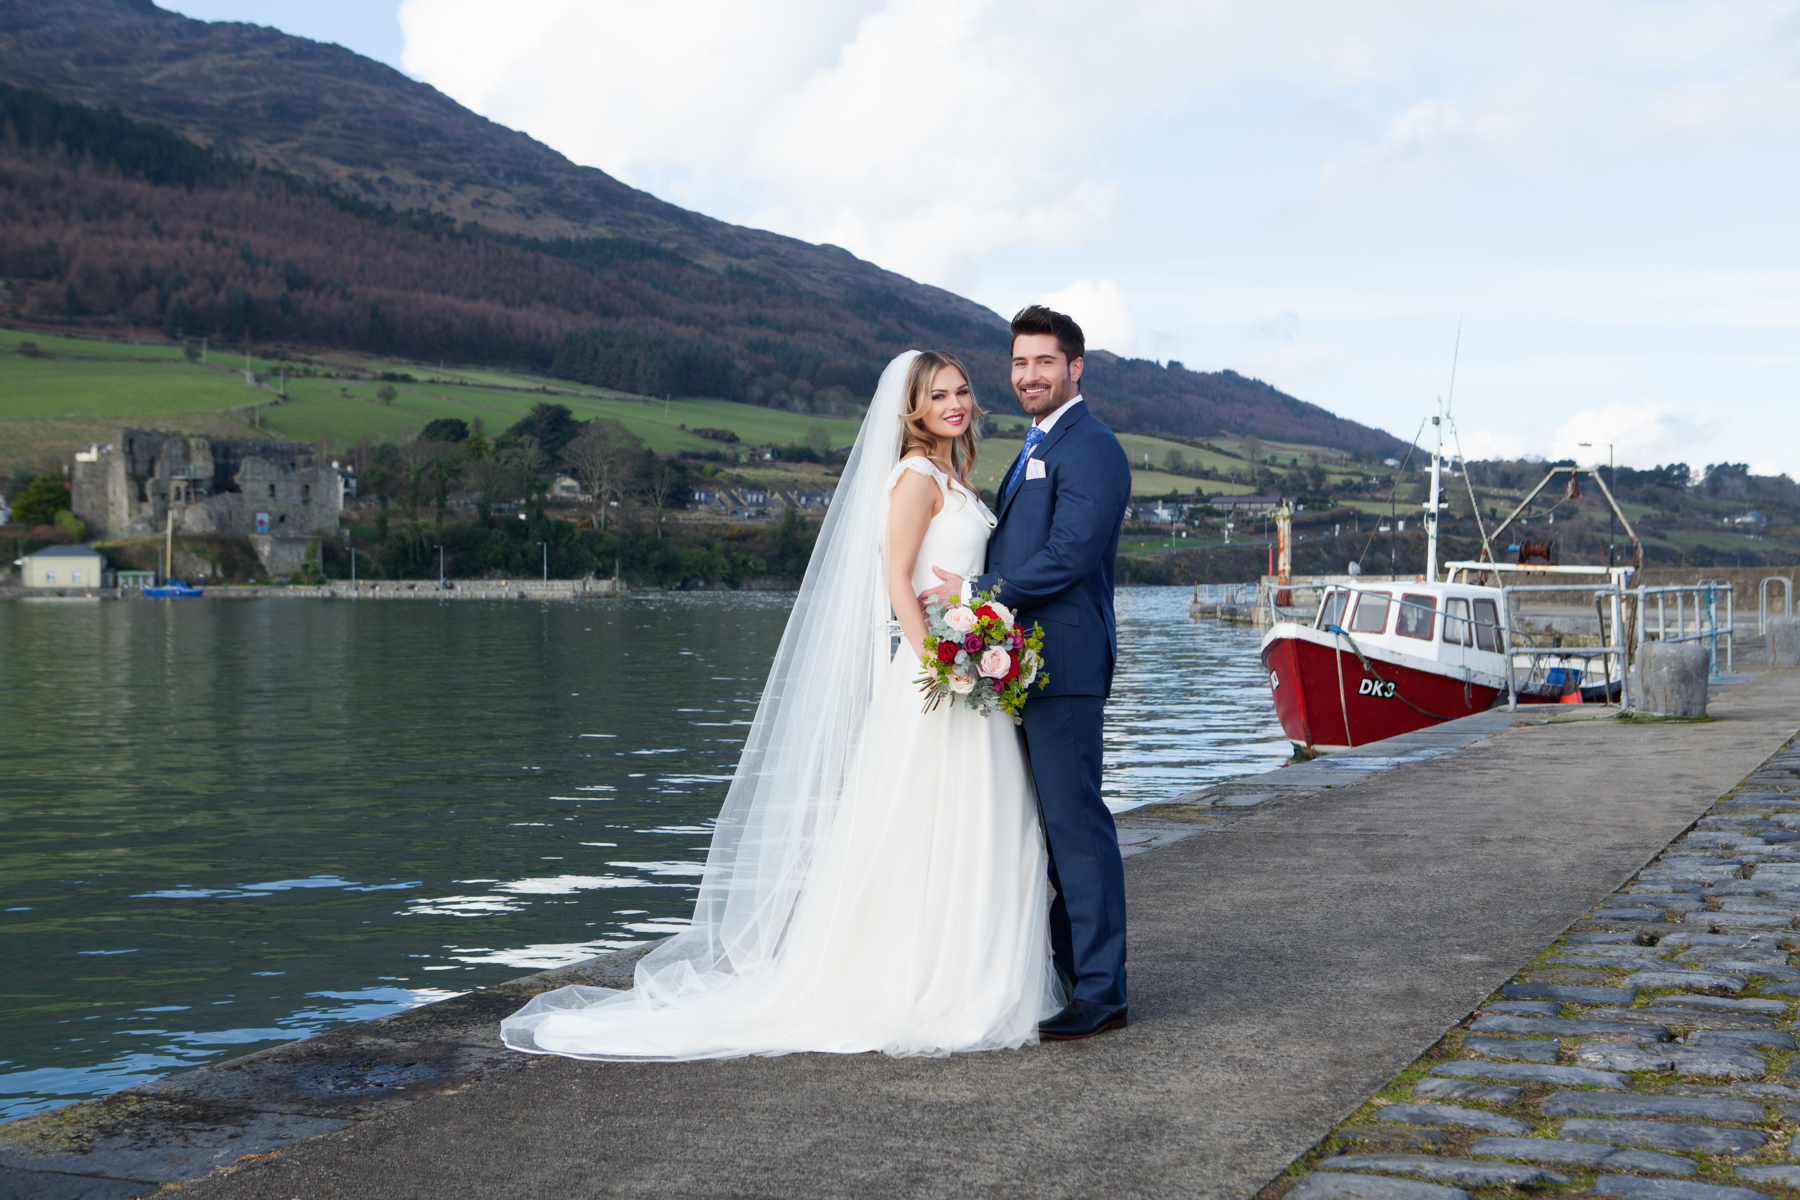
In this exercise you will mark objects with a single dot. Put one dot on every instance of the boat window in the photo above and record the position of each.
(1371, 613)
(1418, 616)
(1456, 623)
(1487, 626)
(1331, 612)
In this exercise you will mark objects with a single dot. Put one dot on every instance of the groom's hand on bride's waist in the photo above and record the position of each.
(949, 589)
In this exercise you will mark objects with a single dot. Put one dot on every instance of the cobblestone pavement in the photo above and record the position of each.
(1648, 1054)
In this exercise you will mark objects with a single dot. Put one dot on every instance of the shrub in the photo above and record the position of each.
(446, 429)
(38, 502)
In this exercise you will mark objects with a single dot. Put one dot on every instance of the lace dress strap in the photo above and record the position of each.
(923, 466)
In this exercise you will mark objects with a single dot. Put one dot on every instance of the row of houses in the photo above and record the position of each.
(1163, 512)
(754, 502)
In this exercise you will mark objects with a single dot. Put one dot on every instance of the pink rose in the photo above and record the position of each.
(962, 685)
(960, 618)
(996, 663)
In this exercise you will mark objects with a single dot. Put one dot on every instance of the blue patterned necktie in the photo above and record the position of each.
(1033, 436)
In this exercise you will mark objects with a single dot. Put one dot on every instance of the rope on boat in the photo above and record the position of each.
(1370, 671)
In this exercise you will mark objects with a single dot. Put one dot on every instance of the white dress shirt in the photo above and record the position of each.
(1048, 420)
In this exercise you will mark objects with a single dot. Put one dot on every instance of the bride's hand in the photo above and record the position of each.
(946, 592)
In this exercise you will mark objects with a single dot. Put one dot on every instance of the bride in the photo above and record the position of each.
(877, 876)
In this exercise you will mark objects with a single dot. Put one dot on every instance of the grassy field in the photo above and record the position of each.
(78, 390)
(999, 453)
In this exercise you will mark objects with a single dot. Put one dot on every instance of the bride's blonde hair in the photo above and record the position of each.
(914, 439)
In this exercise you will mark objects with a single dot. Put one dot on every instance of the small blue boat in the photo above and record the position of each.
(173, 590)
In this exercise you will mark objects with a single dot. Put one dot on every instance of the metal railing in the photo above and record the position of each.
(1245, 594)
(1762, 601)
(1707, 628)
(1535, 654)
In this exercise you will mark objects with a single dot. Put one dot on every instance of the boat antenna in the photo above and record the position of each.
(1450, 402)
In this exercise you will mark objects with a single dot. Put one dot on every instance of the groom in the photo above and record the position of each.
(1060, 507)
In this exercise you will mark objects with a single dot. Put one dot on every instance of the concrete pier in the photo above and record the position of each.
(1298, 940)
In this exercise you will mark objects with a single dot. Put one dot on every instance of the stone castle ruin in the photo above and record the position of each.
(129, 486)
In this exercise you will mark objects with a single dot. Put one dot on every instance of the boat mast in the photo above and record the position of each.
(1431, 508)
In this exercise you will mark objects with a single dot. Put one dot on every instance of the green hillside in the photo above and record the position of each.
(83, 386)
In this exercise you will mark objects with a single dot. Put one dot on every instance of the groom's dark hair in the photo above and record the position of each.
(1035, 318)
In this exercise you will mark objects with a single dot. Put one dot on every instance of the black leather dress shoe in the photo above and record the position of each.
(1082, 1019)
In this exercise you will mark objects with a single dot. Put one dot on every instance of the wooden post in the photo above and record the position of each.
(1284, 555)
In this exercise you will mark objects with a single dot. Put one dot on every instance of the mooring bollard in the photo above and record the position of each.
(1671, 678)
(1784, 641)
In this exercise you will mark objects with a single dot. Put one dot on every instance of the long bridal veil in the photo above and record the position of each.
(808, 723)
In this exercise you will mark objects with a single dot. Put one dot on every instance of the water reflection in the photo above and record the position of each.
(434, 797)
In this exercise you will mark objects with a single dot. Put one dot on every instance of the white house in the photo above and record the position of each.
(64, 567)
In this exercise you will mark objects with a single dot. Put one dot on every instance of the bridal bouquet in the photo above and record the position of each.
(977, 651)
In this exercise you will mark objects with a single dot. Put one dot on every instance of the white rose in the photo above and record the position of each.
(962, 685)
(1028, 668)
(1003, 612)
(961, 618)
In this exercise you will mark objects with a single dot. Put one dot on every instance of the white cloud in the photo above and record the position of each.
(1640, 434)
(1485, 444)
(1102, 312)
(1562, 92)
(1550, 172)
(929, 134)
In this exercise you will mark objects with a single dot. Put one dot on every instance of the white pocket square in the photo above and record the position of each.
(1034, 468)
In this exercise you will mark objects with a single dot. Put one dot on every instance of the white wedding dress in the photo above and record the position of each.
(919, 922)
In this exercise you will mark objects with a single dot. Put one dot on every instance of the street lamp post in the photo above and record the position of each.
(440, 551)
(1611, 517)
(546, 548)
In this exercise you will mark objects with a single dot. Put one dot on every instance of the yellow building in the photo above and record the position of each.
(64, 567)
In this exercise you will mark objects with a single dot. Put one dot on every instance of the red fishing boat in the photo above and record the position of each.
(1383, 658)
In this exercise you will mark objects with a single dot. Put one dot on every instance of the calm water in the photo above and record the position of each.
(235, 823)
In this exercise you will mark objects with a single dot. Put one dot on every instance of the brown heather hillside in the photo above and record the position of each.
(385, 218)
(327, 114)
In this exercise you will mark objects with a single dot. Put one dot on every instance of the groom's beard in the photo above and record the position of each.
(1061, 391)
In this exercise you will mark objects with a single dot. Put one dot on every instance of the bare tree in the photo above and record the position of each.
(603, 457)
(417, 459)
(1253, 451)
(663, 484)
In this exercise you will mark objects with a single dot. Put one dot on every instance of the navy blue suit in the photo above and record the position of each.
(1052, 552)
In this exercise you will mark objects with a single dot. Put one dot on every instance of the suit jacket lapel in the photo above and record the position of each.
(1062, 427)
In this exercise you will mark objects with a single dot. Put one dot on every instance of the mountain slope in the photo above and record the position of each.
(525, 249)
(330, 115)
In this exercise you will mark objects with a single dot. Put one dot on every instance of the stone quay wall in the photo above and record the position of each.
(428, 589)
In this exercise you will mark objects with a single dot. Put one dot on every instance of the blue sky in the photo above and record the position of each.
(1316, 193)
